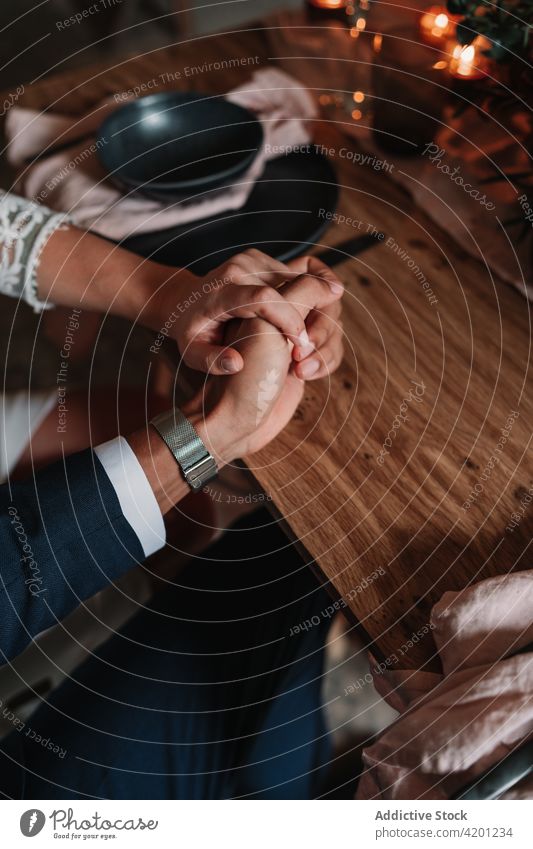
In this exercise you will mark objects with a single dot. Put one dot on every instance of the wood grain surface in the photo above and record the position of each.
(454, 376)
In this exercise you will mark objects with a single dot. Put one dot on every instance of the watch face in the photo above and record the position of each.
(202, 472)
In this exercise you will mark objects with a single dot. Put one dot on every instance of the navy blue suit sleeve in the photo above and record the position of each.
(63, 537)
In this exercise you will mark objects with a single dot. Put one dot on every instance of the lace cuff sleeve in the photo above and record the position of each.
(24, 230)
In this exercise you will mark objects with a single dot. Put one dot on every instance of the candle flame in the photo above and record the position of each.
(465, 54)
(464, 57)
(329, 4)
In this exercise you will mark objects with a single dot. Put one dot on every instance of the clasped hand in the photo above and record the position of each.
(258, 340)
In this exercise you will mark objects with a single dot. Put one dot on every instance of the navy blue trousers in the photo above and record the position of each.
(204, 694)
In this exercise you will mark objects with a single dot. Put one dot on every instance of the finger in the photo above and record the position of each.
(260, 269)
(311, 292)
(321, 325)
(212, 359)
(323, 362)
(261, 302)
(313, 265)
(322, 332)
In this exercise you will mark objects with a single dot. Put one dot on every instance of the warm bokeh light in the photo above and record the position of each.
(328, 4)
(436, 25)
(462, 64)
(468, 61)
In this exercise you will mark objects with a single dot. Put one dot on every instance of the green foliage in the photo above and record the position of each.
(506, 23)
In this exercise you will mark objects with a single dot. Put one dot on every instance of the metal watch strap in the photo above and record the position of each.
(195, 461)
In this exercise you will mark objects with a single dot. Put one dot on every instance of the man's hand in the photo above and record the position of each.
(238, 415)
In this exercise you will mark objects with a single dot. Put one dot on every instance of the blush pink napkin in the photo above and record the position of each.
(73, 181)
(456, 725)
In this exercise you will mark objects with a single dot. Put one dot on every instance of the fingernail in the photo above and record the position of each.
(309, 368)
(229, 365)
(305, 346)
(303, 339)
(336, 288)
(305, 351)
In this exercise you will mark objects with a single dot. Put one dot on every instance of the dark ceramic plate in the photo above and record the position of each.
(285, 215)
(172, 145)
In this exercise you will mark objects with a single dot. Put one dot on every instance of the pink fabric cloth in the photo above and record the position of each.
(456, 725)
(73, 180)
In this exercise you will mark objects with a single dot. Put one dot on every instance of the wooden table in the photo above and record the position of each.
(391, 537)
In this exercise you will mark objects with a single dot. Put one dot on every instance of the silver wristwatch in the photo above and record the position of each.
(195, 461)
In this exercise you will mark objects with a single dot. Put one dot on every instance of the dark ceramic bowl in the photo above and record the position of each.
(171, 146)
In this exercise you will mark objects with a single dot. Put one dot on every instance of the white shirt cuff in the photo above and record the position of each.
(136, 498)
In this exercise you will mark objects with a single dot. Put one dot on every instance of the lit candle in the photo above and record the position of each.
(329, 4)
(436, 25)
(468, 62)
(323, 9)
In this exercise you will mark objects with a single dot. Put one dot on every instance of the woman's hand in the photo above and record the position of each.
(323, 326)
(250, 408)
(79, 269)
(195, 311)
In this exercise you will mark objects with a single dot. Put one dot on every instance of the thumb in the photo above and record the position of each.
(212, 359)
